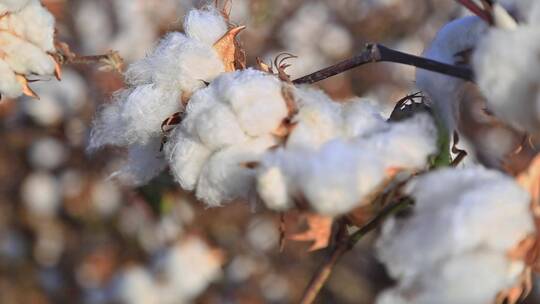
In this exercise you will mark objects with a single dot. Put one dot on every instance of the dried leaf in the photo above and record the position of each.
(319, 231)
(227, 48)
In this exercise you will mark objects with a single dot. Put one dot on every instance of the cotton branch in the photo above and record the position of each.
(379, 53)
(343, 245)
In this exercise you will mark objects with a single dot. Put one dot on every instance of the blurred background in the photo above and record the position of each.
(69, 234)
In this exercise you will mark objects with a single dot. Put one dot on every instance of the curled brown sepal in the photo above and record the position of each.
(280, 62)
(229, 50)
(25, 87)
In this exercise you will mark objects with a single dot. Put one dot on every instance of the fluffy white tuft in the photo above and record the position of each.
(463, 225)
(205, 25)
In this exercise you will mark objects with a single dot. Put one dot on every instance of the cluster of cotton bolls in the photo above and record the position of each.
(26, 39)
(226, 126)
(157, 86)
(183, 272)
(339, 154)
(507, 64)
(447, 251)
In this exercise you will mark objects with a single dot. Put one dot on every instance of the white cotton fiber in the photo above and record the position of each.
(512, 85)
(144, 162)
(145, 109)
(24, 57)
(256, 98)
(226, 176)
(272, 187)
(360, 117)
(206, 25)
(34, 23)
(443, 91)
(318, 119)
(186, 157)
(218, 127)
(13, 6)
(340, 174)
(463, 225)
(9, 86)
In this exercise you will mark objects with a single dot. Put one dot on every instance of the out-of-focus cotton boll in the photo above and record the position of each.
(226, 176)
(144, 162)
(262, 234)
(459, 209)
(186, 157)
(47, 153)
(94, 26)
(317, 121)
(256, 98)
(206, 25)
(12, 5)
(40, 192)
(136, 285)
(337, 176)
(512, 85)
(191, 257)
(106, 197)
(58, 99)
(443, 91)
(335, 41)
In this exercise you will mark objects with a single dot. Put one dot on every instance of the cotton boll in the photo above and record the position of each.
(186, 157)
(256, 98)
(191, 257)
(318, 119)
(511, 86)
(443, 91)
(206, 25)
(33, 23)
(41, 193)
(9, 85)
(144, 162)
(12, 5)
(24, 57)
(47, 153)
(225, 177)
(335, 41)
(459, 210)
(135, 285)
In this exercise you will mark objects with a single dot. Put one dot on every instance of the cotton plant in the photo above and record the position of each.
(446, 251)
(27, 46)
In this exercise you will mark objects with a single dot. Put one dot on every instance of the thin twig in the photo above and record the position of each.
(379, 53)
(325, 269)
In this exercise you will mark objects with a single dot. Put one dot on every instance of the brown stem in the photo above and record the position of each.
(379, 53)
(342, 246)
